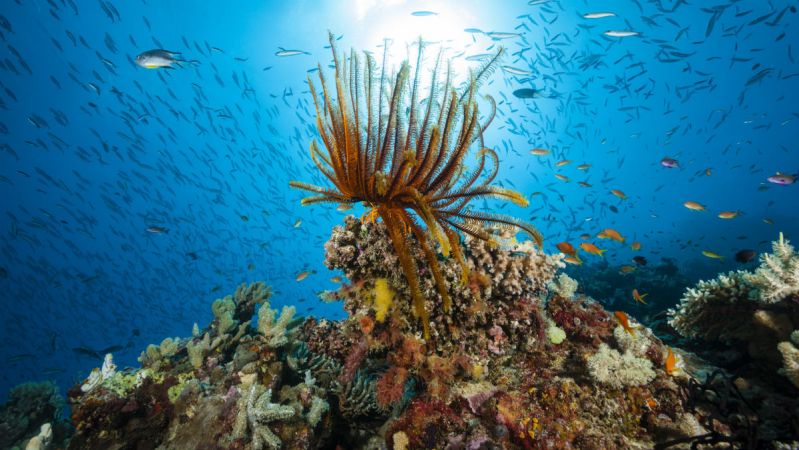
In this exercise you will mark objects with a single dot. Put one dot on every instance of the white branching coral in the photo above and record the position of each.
(274, 330)
(257, 407)
(778, 274)
(702, 306)
(611, 368)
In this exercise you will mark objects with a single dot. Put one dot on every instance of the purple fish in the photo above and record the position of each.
(782, 178)
(670, 163)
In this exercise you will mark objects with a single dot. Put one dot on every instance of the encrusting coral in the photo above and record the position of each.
(409, 168)
(617, 370)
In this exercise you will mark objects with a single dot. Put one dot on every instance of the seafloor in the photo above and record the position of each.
(521, 359)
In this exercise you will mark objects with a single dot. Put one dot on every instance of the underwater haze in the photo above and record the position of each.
(133, 197)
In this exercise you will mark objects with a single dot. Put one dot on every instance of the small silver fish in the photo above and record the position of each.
(598, 15)
(284, 52)
(621, 33)
(160, 59)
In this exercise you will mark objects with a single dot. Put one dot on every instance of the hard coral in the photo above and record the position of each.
(777, 277)
(413, 174)
(514, 280)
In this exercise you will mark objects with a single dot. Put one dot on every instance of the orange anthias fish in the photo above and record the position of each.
(625, 269)
(539, 151)
(303, 275)
(729, 214)
(584, 184)
(624, 321)
(636, 246)
(573, 260)
(619, 194)
(591, 248)
(671, 363)
(638, 297)
(562, 162)
(694, 206)
(566, 248)
(583, 166)
(610, 233)
(562, 177)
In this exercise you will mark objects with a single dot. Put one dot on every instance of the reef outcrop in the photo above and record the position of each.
(519, 361)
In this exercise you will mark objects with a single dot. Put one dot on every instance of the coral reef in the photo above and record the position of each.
(760, 309)
(513, 364)
(214, 389)
(751, 320)
(31, 418)
(617, 370)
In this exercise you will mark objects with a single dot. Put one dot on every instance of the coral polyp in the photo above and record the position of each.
(404, 158)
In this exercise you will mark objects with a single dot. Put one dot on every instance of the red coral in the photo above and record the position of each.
(353, 362)
(583, 321)
(427, 423)
(391, 386)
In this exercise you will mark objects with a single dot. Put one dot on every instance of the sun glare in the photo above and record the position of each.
(440, 24)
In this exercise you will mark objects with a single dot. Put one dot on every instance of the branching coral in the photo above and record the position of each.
(702, 306)
(778, 274)
(260, 412)
(273, 328)
(405, 160)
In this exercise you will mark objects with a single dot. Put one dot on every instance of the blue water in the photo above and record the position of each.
(96, 149)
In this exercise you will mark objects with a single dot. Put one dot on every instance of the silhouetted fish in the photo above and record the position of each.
(745, 256)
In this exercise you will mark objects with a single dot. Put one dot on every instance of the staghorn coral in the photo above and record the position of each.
(260, 412)
(413, 174)
(777, 277)
(616, 370)
(274, 330)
